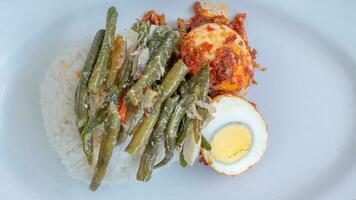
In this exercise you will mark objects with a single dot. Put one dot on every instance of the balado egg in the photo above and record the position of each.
(229, 57)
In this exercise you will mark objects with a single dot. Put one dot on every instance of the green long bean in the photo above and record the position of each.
(135, 119)
(150, 153)
(182, 161)
(200, 84)
(143, 31)
(82, 101)
(172, 128)
(109, 140)
(116, 57)
(87, 133)
(167, 88)
(156, 40)
(173, 79)
(182, 132)
(153, 70)
(143, 130)
(205, 143)
(100, 68)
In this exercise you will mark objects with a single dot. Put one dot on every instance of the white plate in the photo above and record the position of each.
(307, 97)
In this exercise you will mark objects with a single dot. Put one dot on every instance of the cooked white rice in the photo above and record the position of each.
(57, 103)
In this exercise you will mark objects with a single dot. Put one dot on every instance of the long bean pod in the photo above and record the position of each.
(205, 144)
(150, 153)
(135, 120)
(129, 126)
(122, 136)
(116, 58)
(153, 70)
(182, 132)
(87, 133)
(173, 79)
(82, 101)
(182, 161)
(200, 84)
(169, 85)
(123, 78)
(184, 88)
(109, 139)
(100, 68)
(172, 128)
(143, 130)
(156, 40)
(143, 31)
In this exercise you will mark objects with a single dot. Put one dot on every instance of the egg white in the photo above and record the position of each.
(233, 109)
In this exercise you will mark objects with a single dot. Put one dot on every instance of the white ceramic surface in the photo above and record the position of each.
(307, 97)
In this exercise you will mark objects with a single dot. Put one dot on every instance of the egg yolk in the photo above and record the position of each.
(231, 142)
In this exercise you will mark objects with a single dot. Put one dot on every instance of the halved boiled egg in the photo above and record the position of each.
(237, 134)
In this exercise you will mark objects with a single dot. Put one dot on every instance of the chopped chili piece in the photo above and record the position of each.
(209, 28)
(230, 39)
(122, 109)
(206, 46)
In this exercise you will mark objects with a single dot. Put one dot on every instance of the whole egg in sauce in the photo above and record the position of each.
(229, 57)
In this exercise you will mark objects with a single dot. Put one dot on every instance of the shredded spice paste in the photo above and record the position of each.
(231, 67)
(153, 18)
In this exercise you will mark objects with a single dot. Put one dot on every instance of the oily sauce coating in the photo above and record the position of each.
(231, 70)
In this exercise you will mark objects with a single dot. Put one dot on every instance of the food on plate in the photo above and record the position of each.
(211, 39)
(100, 68)
(237, 134)
(154, 95)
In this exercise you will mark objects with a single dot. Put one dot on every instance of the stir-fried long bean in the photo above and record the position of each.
(109, 140)
(153, 70)
(123, 78)
(135, 120)
(200, 84)
(143, 130)
(122, 136)
(173, 79)
(87, 133)
(156, 40)
(182, 161)
(205, 144)
(116, 58)
(82, 101)
(143, 31)
(184, 88)
(99, 116)
(150, 153)
(172, 128)
(100, 68)
(132, 122)
(168, 87)
(182, 132)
